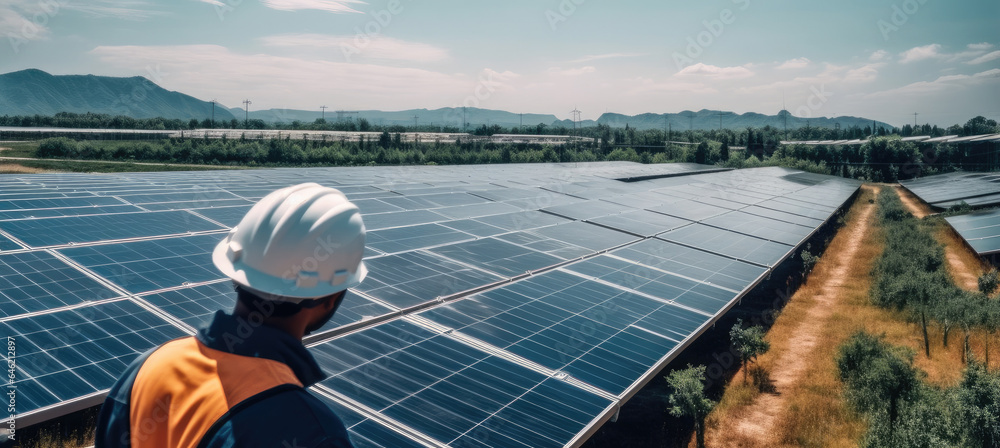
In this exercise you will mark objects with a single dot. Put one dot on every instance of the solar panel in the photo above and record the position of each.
(145, 266)
(497, 256)
(413, 278)
(66, 355)
(84, 229)
(365, 432)
(946, 190)
(7, 244)
(484, 321)
(402, 239)
(569, 323)
(38, 281)
(450, 391)
(981, 230)
(641, 222)
(761, 227)
(740, 247)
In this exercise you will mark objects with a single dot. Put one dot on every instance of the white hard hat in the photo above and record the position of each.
(298, 243)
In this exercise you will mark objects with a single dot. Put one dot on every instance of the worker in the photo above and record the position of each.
(240, 381)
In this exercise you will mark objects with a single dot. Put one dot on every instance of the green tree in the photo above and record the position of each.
(701, 154)
(749, 343)
(979, 394)
(989, 282)
(687, 398)
(724, 152)
(879, 377)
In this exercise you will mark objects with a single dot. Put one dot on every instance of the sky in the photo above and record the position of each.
(879, 59)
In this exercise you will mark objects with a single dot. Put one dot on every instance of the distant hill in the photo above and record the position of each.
(30, 92)
(709, 119)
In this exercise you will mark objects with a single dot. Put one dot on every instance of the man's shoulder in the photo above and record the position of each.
(291, 417)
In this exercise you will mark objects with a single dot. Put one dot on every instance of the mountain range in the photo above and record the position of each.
(32, 91)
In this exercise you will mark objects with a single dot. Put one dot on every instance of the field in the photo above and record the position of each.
(802, 402)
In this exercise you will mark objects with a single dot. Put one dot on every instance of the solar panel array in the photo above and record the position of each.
(510, 305)
(947, 190)
(981, 230)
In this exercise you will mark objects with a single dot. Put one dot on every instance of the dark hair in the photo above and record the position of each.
(271, 308)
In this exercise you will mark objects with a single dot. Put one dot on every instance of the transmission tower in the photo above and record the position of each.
(246, 117)
(324, 112)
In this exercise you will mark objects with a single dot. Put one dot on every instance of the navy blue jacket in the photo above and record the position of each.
(232, 385)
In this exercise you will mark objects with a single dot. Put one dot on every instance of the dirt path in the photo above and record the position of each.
(757, 424)
(916, 206)
(963, 266)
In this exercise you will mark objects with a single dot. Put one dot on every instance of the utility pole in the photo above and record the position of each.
(246, 117)
(465, 119)
(720, 119)
(324, 112)
(416, 121)
(666, 124)
(213, 112)
(784, 114)
(520, 127)
(576, 119)
(915, 122)
(670, 137)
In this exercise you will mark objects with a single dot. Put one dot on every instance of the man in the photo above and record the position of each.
(240, 381)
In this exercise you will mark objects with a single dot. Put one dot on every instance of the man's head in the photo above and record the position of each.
(295, 254)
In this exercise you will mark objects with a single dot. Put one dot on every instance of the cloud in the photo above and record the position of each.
(26, 20)
(867, 73)
(212, 2)
(943, 83)
(796, 63)
(711, 71)
(555, 71)
(277, 81)
(371, 47)
(642, 86)
(597, 57)
(879, 55)
(334, 6)
(985, 58)
(931, 51)
(138, 12)
(985, 46)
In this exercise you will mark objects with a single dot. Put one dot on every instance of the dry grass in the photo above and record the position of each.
(53, 439)
(13, 168)
(814, 414)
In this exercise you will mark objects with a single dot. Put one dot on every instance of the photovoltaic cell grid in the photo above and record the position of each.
(584, 336)
(981, 230)
(947, 190)
(68, 354)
